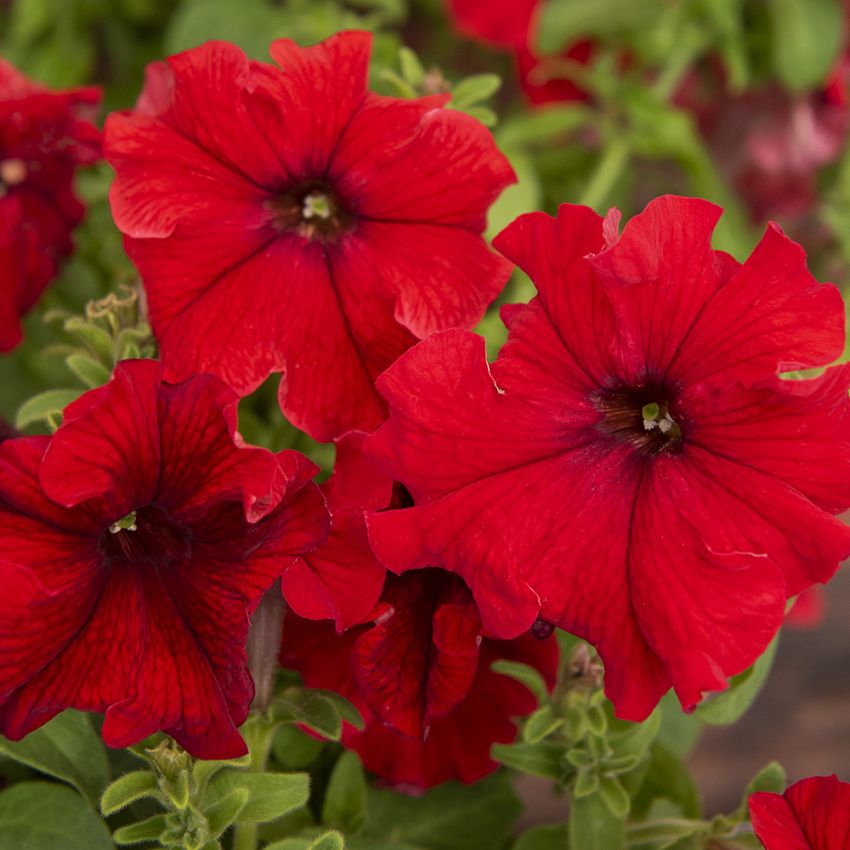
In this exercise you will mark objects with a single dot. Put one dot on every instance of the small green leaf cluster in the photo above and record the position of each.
(111, 329)
(467, 95)
(202, 799)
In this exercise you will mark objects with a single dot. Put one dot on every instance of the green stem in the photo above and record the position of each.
(608, 170)
(258, 732)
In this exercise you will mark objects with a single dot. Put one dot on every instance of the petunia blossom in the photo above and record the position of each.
(285, 219)
(420, 675)
(631, 468)
(135, 543)
(813, 814)
(44, 136)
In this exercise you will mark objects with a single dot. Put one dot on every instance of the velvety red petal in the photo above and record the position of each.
(440, 276)
(108, 446)
(571, 308)
(418, 661)
(659, 276)
(813, 814)
(342, 579)
(770, 316)
(446, 161)
(707, 605)
(333, 73)
(138, 660)
(201, 414)
(756, 426)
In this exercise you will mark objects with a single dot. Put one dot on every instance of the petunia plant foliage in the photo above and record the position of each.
(402, 449)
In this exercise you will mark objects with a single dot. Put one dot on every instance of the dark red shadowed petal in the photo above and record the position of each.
(417, 662)
(145, 621)
(458, 743)
(108, 446)
(813, 814)
(342, 579)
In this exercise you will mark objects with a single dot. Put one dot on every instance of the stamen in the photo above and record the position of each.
(317, 205)
(126, 523)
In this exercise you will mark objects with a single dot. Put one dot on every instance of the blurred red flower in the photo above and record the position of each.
(44, 136)
(813, 814)
(420, 675)
(286, 219)
(511, 24)
(134, 545)
(631, 467)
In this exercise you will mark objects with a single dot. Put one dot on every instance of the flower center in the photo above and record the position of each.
(641, 417)
(13, 172)
(147, 536)
(312, 210)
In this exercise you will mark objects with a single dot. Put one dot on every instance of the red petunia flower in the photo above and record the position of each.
(808, 610)
(342, 579)
(511, 24)
(44, 136)
(420, 675)
(813, 814)
(134, 546)
(631, 468)
(286, 219)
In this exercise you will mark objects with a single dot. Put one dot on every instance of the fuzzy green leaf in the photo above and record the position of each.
(524, 674)
(46, 816)
(141, 833)
(40, 407)
(345, 798)
(127, 789)
(270, 795)
(67, 748)
(542, 759)
(227, 810)
(592, 826)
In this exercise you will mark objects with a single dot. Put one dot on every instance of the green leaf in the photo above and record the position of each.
(523, 673)
(295, 749)
(45, 816)
(770, 778)
(614, 795)
(727, 707)
(142, 832)
(227, 810)
(552, 837)
(592, 826)
(67, 748)
(474, 89)
(411, 67)
(449, 817)
(807, 36)
(346, 709)
(127, 789)
(40, 407)
(540, 724)
(270, 795)
(667, 777)
(563, 22)
(329, 841)
(543, 759)
(88, 370)
(310, 708)
(635, 738)
(93, 335)
(345, 798)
